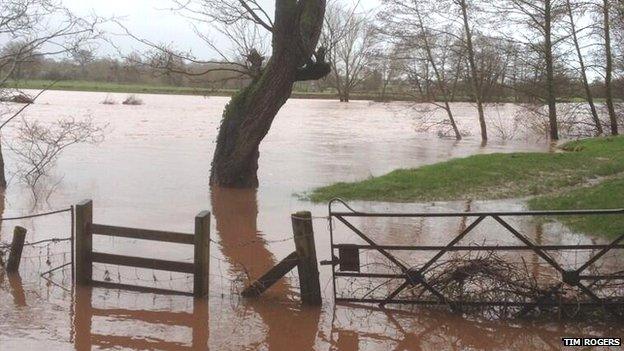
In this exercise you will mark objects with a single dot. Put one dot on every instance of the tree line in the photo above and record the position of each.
(534, 52)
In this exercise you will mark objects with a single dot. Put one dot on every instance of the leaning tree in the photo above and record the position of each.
(248, 116)
(293, 32)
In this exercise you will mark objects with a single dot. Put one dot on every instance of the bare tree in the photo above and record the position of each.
(429, 52)
(386, 63)
(349, 39)
(574, 35)
(34, 29)
(42, 28)
(538, 18)
(37, 146)
(294, 30)
(83, 57)
(606, 27)
(467, 7)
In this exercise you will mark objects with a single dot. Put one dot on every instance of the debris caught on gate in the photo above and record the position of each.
(479, 279)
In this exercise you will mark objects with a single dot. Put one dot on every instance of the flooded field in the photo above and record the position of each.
(152, 172)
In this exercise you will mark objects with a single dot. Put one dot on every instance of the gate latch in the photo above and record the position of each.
(349, 259)
(333, 262)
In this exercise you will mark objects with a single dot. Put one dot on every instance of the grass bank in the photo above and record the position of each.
(108, 87)
(554, 180)
(74, 85)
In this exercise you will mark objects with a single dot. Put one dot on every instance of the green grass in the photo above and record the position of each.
(608, 194)
(74, 85)
(555, 181)
(79, 85)
(493, 176)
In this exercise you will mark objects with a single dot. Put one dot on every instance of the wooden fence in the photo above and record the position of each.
(303, 258)
(85, 256)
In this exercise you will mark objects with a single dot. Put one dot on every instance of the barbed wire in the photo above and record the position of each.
(36, 215)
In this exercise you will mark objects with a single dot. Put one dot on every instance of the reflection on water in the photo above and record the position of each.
(152, 172)
(288, 324)
(86, 339)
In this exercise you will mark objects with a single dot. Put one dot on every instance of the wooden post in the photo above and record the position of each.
(15, 256)
(202, 254)
(84, 242)
(307, 267)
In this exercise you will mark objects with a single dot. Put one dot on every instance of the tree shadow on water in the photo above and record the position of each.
(288, 325)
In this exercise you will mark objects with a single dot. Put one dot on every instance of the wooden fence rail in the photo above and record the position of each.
(85, 256)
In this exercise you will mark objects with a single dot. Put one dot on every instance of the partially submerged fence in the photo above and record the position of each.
(424, 283)
(303, 258)
(86, 256)
(19, 242)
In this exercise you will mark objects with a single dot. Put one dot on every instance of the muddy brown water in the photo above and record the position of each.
(152, 172)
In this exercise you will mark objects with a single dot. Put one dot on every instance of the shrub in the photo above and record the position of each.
(132, 100)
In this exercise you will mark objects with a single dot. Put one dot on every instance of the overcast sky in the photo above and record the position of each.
(153, 20)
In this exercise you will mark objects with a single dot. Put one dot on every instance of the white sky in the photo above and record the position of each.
(152, 20)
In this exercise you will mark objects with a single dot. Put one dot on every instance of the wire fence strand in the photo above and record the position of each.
(35, 215)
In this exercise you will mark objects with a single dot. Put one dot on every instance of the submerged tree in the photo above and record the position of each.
(294, 32)
(608, 52)
(467, 9)
(538, 18)
(433, 61)
(574, 35)
(248, 117)
(32, 30)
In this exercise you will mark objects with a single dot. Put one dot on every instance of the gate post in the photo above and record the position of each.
(307, 266)
(201, 282)
(15, 256)
(84, 242)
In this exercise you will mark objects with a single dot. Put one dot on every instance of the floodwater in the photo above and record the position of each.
(152, 172)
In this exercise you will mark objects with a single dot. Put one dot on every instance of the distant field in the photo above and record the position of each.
(74, 85)
(171, 90)
(118, 88)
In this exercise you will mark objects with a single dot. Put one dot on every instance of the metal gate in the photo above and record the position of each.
(345, 262)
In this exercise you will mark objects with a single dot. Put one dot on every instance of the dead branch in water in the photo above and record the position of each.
(474, 281)
(37, 146)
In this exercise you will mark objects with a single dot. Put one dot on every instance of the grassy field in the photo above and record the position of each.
(553, 180)
(71, 85)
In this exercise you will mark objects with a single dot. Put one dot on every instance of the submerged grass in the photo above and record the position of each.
(607, 194)
(493, 176)
(556, 181)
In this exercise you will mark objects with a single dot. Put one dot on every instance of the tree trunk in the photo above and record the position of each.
(476, 85)
(439, 82)
(609, 68)
(246, 121)
(550, 73)
(3, 182)
(588, 92)
(250, 113)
